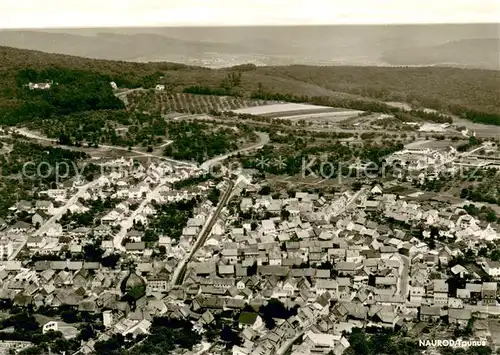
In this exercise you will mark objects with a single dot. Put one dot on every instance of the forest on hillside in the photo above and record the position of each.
(70, 91)
(472, 94)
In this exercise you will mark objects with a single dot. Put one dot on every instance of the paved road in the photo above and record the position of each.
(263, 140)
(33, 135)
(122, 95)
(129, 222)
(180, 271)
(51, 222)
(228, 120)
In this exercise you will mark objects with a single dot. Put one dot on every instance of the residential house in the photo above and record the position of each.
(416, 294)
(430, 314)
(6, 248)
(326, 285)
(157, 283)
(250, 319)
(35, 242)
(459, 316)
(136, 248)
(492, 268)
(489, 293)
(45, 206)
(440, 292)
(19, 227)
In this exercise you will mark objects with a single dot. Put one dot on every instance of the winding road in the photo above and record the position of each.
(263, 140)
(32, 135)
(122, 95)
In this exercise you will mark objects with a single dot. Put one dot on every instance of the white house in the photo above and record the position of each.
(268, 226)
(39, 86)
(45, 206)
(35, 242)
(56, 193)
(107, 319)
(110, 218)
(55, 230)
(376, 190)
(77, 208)
(492, 268)
(141, 219)
(323, 343)
(107, 245)
(52, 325)
(165, 241)
(139, 191)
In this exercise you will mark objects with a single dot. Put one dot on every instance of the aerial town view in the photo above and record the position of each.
(245, 192)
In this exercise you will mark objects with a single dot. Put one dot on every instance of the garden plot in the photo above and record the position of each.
(282, 108)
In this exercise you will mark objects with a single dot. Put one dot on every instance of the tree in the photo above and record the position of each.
(265, 190)
(110, 260)
(92, 252)
(285, 214)
(359, 343)
(431, 243)
(231, 337)
(275, 309)
(495, 255)
(70, 316)
(213, 195)
(356, 186)
(252, 270)
(86, 332)
(491, 216)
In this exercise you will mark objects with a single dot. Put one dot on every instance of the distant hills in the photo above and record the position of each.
(478, 53)
(110, 46)
(470, 46)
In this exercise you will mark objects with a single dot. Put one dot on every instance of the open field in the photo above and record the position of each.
(482, 130)
(282, 108)
(323, 116)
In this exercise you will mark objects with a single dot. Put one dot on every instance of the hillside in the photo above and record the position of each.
(218, 47)
(448, 89)
(108, 45)
(456, 53)
(432, 87)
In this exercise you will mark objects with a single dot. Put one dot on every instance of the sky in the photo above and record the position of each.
(131, 13)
